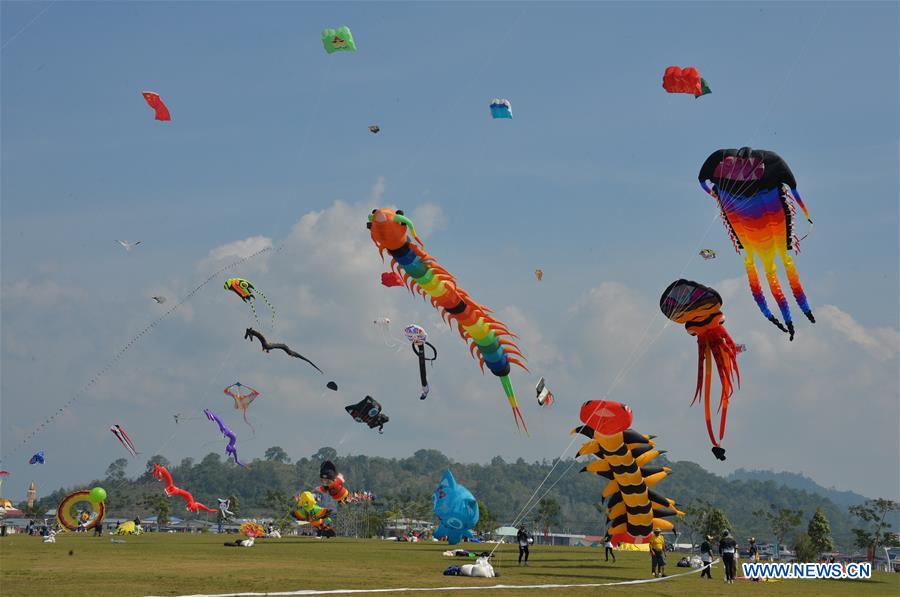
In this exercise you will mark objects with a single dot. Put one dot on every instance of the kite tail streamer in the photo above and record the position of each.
(756, 290)
(393, 232)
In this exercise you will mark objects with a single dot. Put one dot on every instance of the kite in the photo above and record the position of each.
(309, 511)
(391, 279)
(368, 411)
(128, 246)
(224, 512)
(633, 509)
(338, 40)
(332, 482)
(161, 473)
(685, 80)
(417, 337)
(374, 128)
(159, 299)
(456, 508)
(252, 529)
(544, 397)
(230, 449)
(501, 108)
(124, 439)
(154, 101)
(539, 274)
(698, 307)
(390, 231)
(243, 397)
(757, 193)
(176, 417)
(707, 254)
(266, 347)
(37, 458)
(331, 386)
(4, 473)
(248, 293)
(82, 509)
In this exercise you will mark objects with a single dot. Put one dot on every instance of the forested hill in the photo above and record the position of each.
(405, 485)
(798, 481)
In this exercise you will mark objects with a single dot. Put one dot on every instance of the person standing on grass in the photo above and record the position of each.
(524, 539)
(658, 553)
(608, 551)
(728, 549)
(706, 558)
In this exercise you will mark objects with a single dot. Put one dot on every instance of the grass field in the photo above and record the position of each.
(170, 564)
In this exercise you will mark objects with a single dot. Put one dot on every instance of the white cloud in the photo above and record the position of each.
(44, 293)
(882, 343)
(239, 249)
(428, 218)
(378, 189)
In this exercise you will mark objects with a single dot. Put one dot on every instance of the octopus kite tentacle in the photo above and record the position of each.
(698, 307)
(393, 232)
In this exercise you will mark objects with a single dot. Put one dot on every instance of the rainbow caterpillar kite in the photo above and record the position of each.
(698, 307)
(633, 510)
(390, 232)
(756, 192)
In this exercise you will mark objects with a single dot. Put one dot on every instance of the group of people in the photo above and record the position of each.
(728, 551)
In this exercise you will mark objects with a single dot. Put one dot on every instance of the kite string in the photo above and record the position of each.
(27, 25)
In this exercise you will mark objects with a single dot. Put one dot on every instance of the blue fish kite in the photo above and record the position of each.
(37, 458)
(456, 508)
(501, 108)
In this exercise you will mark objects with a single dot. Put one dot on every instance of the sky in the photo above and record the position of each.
(594, 181)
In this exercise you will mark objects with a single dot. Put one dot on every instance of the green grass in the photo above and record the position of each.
(171, 564)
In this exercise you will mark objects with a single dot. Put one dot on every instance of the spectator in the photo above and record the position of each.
(608, 551)
(658, 553)
(728, 549)
(524, 539)
(706, 557)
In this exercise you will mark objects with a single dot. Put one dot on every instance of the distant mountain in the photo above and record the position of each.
(800, 481)
(405, 486)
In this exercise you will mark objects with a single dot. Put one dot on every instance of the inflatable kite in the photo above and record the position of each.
(154, 101)
(332, 482)
(124, 439)
(417, 338)
(707, 254)
(756, 193)
(128, 528)
(539, 274)
(161, 473)
(231, 448)
(544, 397)
(224, 506)
(252, 529)
(250, 334)
(243, 397)
(456, 508)
(368, 411)
(37, 458)
(374, 128)
(633, 509)
(685, 80)
(310, 511)
(391, 232)
(248, 292)
(391, 279)
(698, 307)
(82, 509)
(332, 386)
(501, 108)
(338, 40)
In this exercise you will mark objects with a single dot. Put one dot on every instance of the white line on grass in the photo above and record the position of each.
(482, 588)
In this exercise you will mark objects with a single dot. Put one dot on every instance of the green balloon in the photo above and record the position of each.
(98, 494)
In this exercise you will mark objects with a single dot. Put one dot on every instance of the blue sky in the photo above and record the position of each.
(593, 181)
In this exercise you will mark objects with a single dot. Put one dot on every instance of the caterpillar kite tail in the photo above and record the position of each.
(393, 232)
(633, 509)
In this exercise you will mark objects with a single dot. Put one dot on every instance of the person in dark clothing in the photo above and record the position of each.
(523, 539)
(706, 558)
(728, 549)
(608, 551)
(98, 529)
